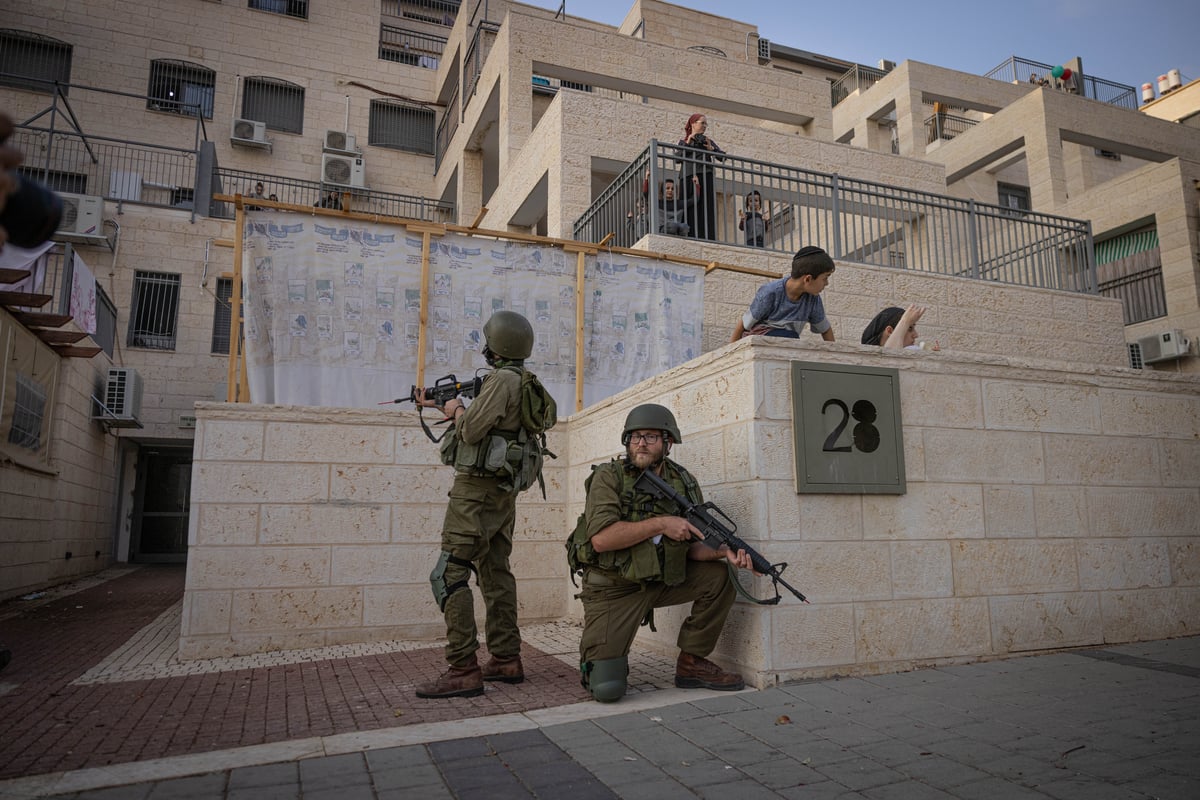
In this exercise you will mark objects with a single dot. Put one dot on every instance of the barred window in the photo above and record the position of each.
(1014, 198)
(221, 312)
(180, 87)
(402, 126)
(154, 319)
(289, 8)
(278, 103)
(33, 61)
(61, 182)
(28, 411)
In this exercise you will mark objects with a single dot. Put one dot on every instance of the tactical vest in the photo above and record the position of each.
(645, 561)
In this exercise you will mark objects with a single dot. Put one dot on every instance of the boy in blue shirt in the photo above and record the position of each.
(785, 306)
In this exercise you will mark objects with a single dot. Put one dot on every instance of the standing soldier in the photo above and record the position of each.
(477, 535)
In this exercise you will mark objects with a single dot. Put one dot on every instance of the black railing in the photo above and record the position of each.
(857, 78)
(447, 127)
(1022, 70)
(754, 203)
(1141, 293)
(410, 47)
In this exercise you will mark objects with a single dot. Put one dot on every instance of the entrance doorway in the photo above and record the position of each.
(160, 505)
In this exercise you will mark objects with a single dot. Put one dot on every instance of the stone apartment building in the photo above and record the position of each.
(512, 118)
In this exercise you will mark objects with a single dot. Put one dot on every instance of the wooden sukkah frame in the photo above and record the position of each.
(238, 390)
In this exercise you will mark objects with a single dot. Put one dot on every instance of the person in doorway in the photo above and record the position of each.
(637, 555)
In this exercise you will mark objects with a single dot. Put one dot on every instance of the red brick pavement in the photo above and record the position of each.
(53, 725)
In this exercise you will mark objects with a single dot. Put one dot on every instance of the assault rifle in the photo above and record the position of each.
(445, 389)
(717, 529)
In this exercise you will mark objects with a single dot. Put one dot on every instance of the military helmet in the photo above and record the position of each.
(509, 335)
(648, 417)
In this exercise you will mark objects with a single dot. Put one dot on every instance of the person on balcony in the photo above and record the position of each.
(752, 220)
(895, 328)
(696, 158)
(673, 210)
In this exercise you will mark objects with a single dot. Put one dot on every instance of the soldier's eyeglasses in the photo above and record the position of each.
(648, 438)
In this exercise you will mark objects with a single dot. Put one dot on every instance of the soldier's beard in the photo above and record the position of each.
(644, 459)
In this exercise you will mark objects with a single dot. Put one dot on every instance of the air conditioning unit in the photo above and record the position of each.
(764, 49)
(82, 215)
(1165, 346)
(250, 133)
(340, 141)
(122, 399)
(343, 170)
(886, 66)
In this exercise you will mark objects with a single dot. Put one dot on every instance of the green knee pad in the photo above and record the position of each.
(437, 578)
(605, 679)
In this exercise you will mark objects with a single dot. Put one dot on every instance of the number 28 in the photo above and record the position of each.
(865, 435)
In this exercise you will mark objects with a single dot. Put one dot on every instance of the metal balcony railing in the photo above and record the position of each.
(476, 57)
(60, 151)
(447, 127)
(754, 203)
(946, 126)
(1022, 70)
(415, 48)
(316, 194)
(857, 78)
(434, 12)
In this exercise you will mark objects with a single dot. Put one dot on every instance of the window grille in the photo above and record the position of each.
(279, 104)
(179, 87)
(28, 411)
(154, 319)
(33, 61)
(288, 8)
(401, 126)
(1135, 355)
(68, 182)
(221, 312)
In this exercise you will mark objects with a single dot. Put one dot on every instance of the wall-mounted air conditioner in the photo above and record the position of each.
(82, 215)
(343, 170)
(1164, 346)
(340, 142)
(122, 402)
(764, 49)
(249, 133)
(886, 66)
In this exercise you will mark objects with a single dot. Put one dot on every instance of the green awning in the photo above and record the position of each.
(1123, 246)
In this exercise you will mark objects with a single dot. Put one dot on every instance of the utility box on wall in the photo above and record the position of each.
(847, 428)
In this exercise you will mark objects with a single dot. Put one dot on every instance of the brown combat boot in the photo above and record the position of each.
(694, 672)
(506, 669)
(465, 681)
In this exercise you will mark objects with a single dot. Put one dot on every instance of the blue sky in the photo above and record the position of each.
(1125, 42)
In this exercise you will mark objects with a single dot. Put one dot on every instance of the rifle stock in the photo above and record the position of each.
(718, 529)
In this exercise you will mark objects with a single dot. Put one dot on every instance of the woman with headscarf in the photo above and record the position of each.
(696, 175)
(895, 328)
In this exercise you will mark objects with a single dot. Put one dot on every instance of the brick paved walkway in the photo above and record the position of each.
(56, 723)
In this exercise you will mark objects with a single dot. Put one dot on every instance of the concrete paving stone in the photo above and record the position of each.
(665, 789)
(980, 730)
(197, 787)
(993, 788)
(354, 792)
(1183, 761)
(617, 776)
(1168, 786)
(702, 772)
(731, 702)
(560, 779)
(138, 792)
(968, 751)
(405, 777)
(744, 750)
(572, 734)
(1082, 787)
(906, 790)
(1021, 769)
(680, 712)
(608, 752)
(892, 752)
(435, 791)
(942, 773)
(458, 749)
(515, 740)
(825, 790)
(706, 732)
(661, 745)
(741, 790)
(815, 750)
(280, 792)
(547, 753)
(465, 776)
(850, 734)
(331, 772)
(406, 757)
(859, 773)
(622, 723)
(780, 773)
(264, 775)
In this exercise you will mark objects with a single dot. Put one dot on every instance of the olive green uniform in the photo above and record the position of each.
(479, 528)
(621, 587)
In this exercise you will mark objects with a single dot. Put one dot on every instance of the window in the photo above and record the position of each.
(289, 8)
(277, 103)
(402, 126)
(154, 318)
(33, 61)
(30, 408)
(1015, 198)
(179, 87)
(1109, 154)
(221, 312)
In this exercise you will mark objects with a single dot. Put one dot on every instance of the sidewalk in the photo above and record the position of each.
(96, 707)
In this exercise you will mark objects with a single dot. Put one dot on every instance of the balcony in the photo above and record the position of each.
(404, 46)
(858, 78)
(782, 208)
(941, 126)
(1022, 70)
